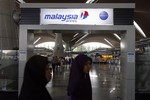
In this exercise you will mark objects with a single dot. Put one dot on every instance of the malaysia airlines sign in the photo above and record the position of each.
(77, 16)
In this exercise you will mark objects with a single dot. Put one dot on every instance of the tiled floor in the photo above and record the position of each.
(104, 78)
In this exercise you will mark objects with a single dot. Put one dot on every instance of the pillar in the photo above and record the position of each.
(128, 65)
(58, 49)
(26, 48)
(67, 47)
(8, 28)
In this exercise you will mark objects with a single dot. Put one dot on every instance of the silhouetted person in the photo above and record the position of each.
(36, 75)
(55, 62)
(79, 86)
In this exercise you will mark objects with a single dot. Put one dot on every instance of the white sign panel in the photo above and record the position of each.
(131, 57)
(77, 16)
(22, 55)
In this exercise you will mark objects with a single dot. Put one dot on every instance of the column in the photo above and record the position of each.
(128, 65)
(22, 54)
(67, 47)
(8, 28)
(58, 49)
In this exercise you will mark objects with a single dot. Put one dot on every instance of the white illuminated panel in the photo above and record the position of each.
(77, 16)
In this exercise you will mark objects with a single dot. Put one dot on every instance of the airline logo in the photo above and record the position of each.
(103, 15)
(61, 17)
(84, 15)
(67, 17)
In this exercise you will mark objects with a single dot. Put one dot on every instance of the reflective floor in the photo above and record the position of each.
(9, 75)
(105, 81)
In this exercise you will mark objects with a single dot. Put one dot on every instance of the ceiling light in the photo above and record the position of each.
(113, 89)
(117, 36)
(74, 37)
(91, 1)
(95, 76)
(37, 40)
(79, 43)
(82, 37)
(108, 42)
(139, 29)
(75, 34)
(20, 1)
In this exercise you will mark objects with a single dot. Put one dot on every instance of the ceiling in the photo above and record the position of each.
(141, 16)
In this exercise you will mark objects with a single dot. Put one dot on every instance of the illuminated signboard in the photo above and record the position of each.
(77, 16)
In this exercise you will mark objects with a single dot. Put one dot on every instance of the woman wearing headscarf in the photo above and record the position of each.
(36, 75)
(79, 86)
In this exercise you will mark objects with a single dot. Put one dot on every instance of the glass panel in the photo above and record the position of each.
(8, 70)
(143, 71)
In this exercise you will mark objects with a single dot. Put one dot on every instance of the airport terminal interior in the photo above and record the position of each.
(119, 48)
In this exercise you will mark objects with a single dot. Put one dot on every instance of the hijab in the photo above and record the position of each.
(77, 74)
(34, 81)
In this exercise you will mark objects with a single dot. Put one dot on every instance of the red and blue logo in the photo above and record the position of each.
(84, 15)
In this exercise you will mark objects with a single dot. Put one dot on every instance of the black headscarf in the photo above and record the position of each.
(79, 86)
(34, 82)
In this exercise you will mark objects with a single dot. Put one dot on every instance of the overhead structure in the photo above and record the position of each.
(110, 17)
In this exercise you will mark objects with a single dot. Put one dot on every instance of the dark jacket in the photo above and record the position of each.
(34, 82)
(79, 85)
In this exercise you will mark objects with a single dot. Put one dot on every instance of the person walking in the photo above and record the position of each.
(79, 85)
(36, 75)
